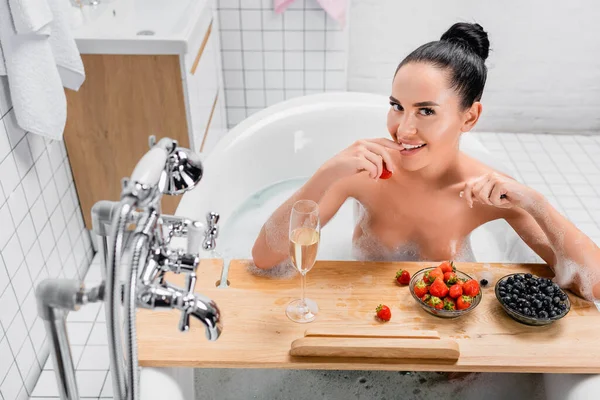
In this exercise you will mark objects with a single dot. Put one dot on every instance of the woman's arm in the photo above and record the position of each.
(574, 257)
(330, 186)
(272, 245)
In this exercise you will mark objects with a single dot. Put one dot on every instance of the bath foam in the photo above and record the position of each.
(284, 270)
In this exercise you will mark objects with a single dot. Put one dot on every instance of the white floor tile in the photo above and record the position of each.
(583, 190)
(101, 315)
(561, 190)
(90, 382)
(46, 385)
(79, 332)
(591, 203)
(591, 229)
(519, 156)
(7, 358)
(98, 335)
(532, 177)
(570, 202)
(12, 384)
(94, 358)
(575, 179)
(76, 352)
(107, 390)
(554, 178)
(578, 215)
(87, 313)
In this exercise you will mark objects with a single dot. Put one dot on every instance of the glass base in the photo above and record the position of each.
(298, 312)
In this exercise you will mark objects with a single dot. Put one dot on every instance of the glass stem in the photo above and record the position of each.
(303, 280)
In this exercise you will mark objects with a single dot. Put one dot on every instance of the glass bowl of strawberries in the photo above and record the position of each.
(444, 291)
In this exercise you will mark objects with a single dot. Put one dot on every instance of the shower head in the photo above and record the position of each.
(183, 172)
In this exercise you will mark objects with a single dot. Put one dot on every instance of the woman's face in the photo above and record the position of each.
(426, 117)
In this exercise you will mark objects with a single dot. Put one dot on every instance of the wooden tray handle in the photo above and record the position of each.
(432, 349)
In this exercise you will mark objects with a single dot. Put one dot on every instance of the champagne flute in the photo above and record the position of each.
(305, 232)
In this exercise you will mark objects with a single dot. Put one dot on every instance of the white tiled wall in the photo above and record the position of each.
(41, 235)
(544, 64)
(270, 57)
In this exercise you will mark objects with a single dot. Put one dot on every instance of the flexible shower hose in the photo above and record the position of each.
(113, 296)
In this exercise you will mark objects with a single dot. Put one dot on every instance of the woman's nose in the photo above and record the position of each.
(406, 126)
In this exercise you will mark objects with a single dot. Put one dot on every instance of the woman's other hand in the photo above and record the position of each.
(500, 191)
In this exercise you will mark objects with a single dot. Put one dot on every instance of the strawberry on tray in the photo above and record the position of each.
(444, 291)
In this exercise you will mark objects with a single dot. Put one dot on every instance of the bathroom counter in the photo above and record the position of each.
(257, 333)
(152, 27)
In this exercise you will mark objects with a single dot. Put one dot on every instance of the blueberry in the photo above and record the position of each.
(562, 306)
(556, 300)
(516, 291)
(534, 289)
(528, 276)
(515, 297)
(537, 304)
(509, 287)
(553, 314)
(510, 280)
(550, 290)
(527, 303)
(506, 299)
(529, 297)
(512, 305)
(526, 311)
(562, 296)
(543, 314)
(501, 293)
(483, 282)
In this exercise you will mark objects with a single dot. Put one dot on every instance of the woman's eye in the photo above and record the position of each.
(426, 111)
(396, 107)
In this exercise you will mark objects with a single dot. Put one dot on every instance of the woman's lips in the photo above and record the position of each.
(411, 151)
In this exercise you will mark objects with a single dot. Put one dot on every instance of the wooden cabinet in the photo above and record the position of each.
(128, 97)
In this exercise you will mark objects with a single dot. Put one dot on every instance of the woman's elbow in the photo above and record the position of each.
(258, 257)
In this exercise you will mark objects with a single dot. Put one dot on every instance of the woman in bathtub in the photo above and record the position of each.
(436, 195)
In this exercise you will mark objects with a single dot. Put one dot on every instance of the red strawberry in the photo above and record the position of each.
(455, 291)
(450, 278)
(386, 173)
(460, 282)
(449, 304)
(403, 277)
(471, 288)
(435, 302)
(438, 289)
(421, 289)
(464, 302)
(447, 266)
(436, 273)
(425, 298)
(383, 312)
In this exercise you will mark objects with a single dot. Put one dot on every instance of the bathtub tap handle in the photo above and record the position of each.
(195, 236)
(212, 231)
(190, 283)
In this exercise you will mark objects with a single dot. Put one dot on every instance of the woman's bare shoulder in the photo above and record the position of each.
(474, 168)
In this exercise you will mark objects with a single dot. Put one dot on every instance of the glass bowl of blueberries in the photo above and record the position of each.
(532, 300)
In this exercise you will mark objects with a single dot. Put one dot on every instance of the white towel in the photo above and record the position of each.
(39, 57)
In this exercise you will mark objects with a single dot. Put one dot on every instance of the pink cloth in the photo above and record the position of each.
(335, 8)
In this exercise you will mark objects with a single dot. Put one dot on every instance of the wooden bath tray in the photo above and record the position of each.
(257, 333)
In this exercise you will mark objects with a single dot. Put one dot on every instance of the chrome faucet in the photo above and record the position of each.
(165, 169)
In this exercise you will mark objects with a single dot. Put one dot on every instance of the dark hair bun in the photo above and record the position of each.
(470, 35)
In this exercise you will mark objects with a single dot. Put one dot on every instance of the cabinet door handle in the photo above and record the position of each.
(201, 49)
(209, 121)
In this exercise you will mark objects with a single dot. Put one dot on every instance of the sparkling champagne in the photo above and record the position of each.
(304, 243)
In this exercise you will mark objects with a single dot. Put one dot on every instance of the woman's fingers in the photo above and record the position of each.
(376, 160)
(467, 193)
(387, 143)
(486, 191)
(497, 199)
(381, 151)
(368, 165)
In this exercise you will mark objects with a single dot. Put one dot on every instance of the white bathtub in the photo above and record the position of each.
(265, 158)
